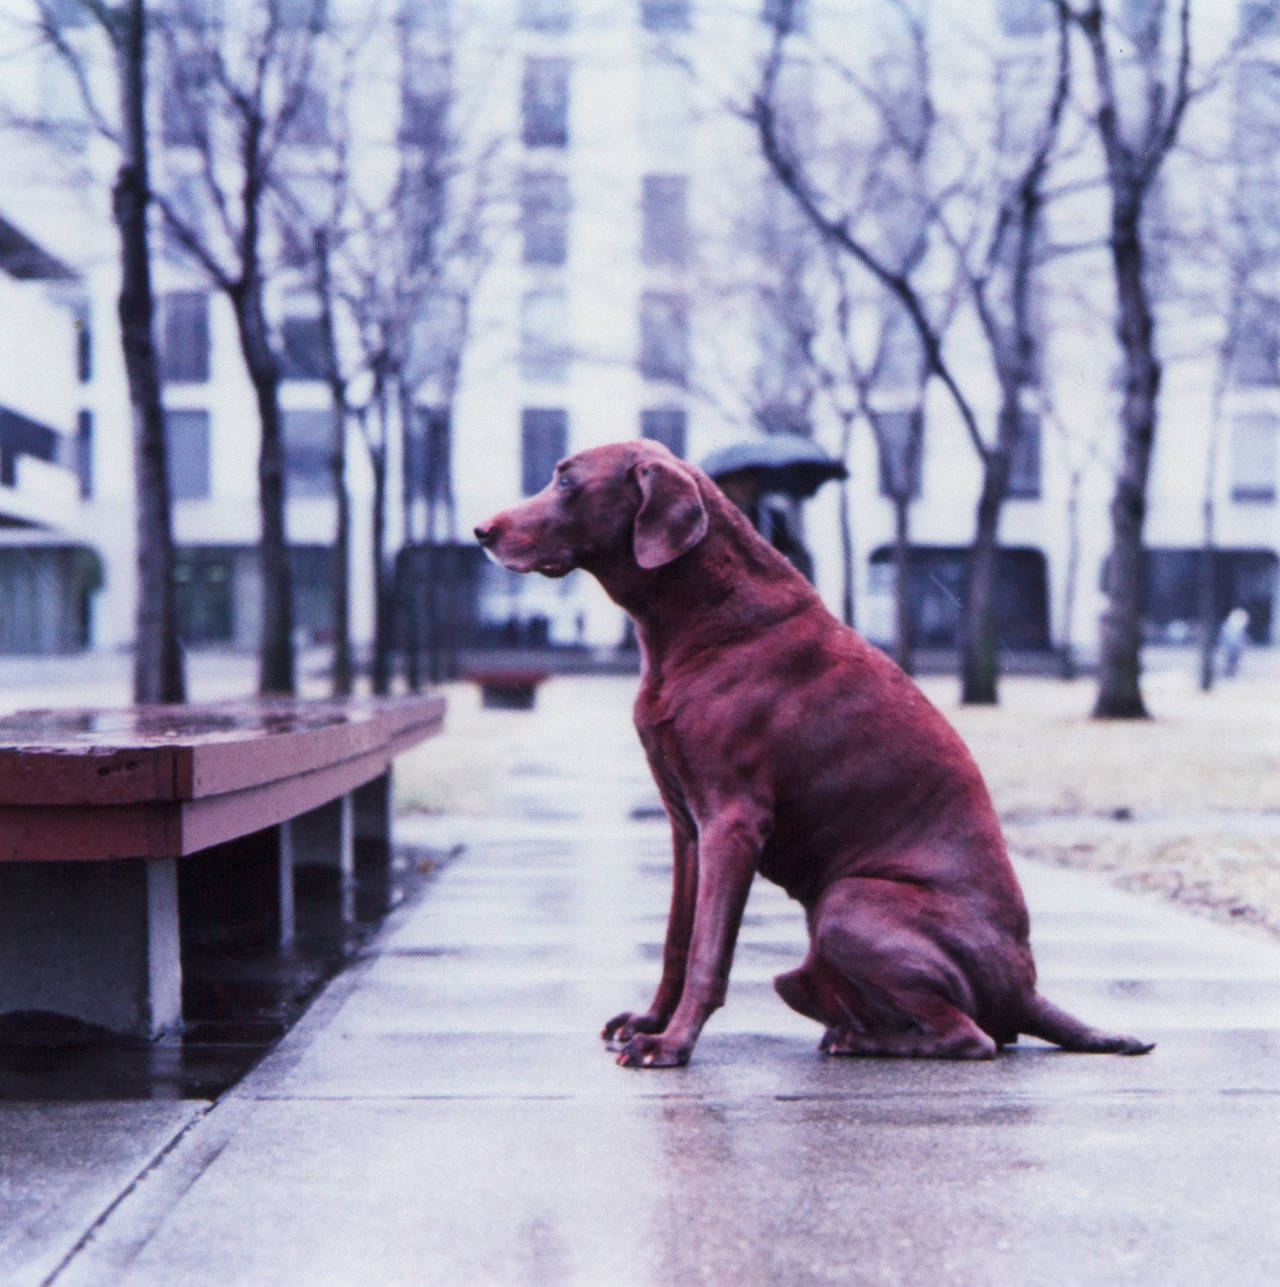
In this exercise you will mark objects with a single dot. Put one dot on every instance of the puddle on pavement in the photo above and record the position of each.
(239, 999)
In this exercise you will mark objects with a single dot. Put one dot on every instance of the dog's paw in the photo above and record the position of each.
(646, 1051)
(622, 1027)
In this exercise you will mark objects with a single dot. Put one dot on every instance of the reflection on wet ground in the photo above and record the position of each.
(239, 999)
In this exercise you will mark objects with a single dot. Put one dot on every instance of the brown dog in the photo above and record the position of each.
(783, 743)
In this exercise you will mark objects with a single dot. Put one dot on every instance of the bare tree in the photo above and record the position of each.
(240, 91)
(1137, 132)
(158, 671)
(996, 250)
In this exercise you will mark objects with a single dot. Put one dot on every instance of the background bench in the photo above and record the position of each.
(100, 808)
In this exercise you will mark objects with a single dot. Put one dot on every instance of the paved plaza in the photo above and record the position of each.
(445, 1112)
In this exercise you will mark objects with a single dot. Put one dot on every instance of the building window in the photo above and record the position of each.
(544, 335)
(426, 15)
(1023, 17)
(1259, 18)
(900, 360)
(1255, 437)
(1256, 360)
(667, 425)
(428, 464)
(545, 102)
(186, 337)
(544, 439)
(544, 217)
(84, 453)
(308, 452)
(546, 15)
(665, 219)
(900, 438)
(302, 15)
(1024, 462)
(424, 101)
(302, 348)
(308, 123)
(664, 337)
(84, 344)
(184, 100)
(664, 15)
(187, 442)
(792, 15)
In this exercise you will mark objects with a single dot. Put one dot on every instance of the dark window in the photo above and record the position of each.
(302, 349)
(1024, 17)
(429, 465)
(791, 15)
(1024, 463)
(664, 15)
(544, 335)
(901, 443)
(1256, 360)
(1259, 18)
(308, 450)
(84, 453)
(544, 439)
(426, 15)
(84, 344)
(546, 15)
(184, 100)
(664, 337)
(544, 217)
(205, 583)
(1242, 578)
(302, 15)
(665, 219)
(545, 102)
(308, 122)
(186, 337)
(1254, 441)
(187, 440)
(666, 425)
(20, 436)
(424, 101)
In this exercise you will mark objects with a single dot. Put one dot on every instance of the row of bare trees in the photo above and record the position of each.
(265, 178)
(937, 223)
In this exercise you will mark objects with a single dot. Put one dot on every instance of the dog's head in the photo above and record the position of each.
(628, 503)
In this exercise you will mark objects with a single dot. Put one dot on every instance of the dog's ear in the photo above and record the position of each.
(672, 518)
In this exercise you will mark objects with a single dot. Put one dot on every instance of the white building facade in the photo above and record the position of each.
(618, 301)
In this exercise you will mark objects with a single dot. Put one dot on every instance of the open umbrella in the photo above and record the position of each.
(783, 462)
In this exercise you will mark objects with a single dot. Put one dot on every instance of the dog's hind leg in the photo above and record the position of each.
(899, 991)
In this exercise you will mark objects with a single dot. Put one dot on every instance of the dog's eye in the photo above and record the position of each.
(564, 482)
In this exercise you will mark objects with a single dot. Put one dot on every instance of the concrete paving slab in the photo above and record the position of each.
(63, 1166)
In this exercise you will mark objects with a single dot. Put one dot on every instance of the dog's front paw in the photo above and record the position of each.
(622, 1027)
(646, 1051)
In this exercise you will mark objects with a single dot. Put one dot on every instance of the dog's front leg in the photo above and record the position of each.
(675, 950)
(729, 845)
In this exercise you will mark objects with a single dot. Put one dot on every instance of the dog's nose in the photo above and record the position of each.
(484, 533)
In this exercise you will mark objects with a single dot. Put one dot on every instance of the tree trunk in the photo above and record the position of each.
(1120, 645)
(380, 676)
(343, 669)
(1066, 649)
(848, 561)
(157, 664)
(1208, 596)
(903, 634)
(979, 660)
(276, 659)
(411, 591)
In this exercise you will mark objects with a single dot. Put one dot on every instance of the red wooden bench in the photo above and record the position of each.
(99, 808)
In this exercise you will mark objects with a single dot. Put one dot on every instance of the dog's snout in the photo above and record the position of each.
(485, 532)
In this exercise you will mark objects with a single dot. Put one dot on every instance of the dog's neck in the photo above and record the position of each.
(732, 584)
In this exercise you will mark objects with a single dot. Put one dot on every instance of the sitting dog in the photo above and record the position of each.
(784, 743)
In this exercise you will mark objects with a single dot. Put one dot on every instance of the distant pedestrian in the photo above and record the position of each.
(1235, 631)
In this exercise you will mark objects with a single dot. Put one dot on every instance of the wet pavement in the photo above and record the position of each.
(445, 1113)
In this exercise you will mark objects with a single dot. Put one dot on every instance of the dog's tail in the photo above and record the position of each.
(1044, 1019)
